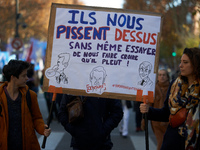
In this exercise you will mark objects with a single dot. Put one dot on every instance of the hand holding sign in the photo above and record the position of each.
(54, 90)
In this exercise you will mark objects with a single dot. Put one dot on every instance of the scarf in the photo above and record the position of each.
(183, 95)
(160, 92)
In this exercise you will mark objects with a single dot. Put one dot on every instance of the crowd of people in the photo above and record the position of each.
(19, 110)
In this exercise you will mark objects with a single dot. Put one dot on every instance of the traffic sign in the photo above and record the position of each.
(17, 43)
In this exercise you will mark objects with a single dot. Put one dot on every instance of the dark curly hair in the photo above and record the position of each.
(15, 68)
(194, 56)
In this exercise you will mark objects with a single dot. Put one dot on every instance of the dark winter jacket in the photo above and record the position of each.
(172, 139)
(101, 116)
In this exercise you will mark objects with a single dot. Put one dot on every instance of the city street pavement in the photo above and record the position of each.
(60, 139)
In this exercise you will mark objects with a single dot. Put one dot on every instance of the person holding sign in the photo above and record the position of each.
(92, 132)
(20, 115)
(182, 106)
(159, 128)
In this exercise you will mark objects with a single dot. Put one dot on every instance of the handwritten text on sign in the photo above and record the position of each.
(101, 51)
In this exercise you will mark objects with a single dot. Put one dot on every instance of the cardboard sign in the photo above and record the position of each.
(102, 52)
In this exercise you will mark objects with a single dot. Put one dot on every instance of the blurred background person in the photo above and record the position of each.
(159, 128)
(123, 127)
(33, 79)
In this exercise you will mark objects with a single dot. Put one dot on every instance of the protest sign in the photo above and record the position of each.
(102, 52)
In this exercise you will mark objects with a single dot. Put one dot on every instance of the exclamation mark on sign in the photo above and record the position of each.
(127, 63)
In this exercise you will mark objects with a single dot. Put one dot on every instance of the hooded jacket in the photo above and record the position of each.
(31, 121)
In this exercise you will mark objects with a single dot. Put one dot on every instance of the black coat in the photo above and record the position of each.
(101, 116)
(172, 139)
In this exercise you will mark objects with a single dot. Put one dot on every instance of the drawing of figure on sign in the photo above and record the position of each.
(97, 80)
(144, 71)
(59, 68)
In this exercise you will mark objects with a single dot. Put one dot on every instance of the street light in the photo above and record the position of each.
(18, 16)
